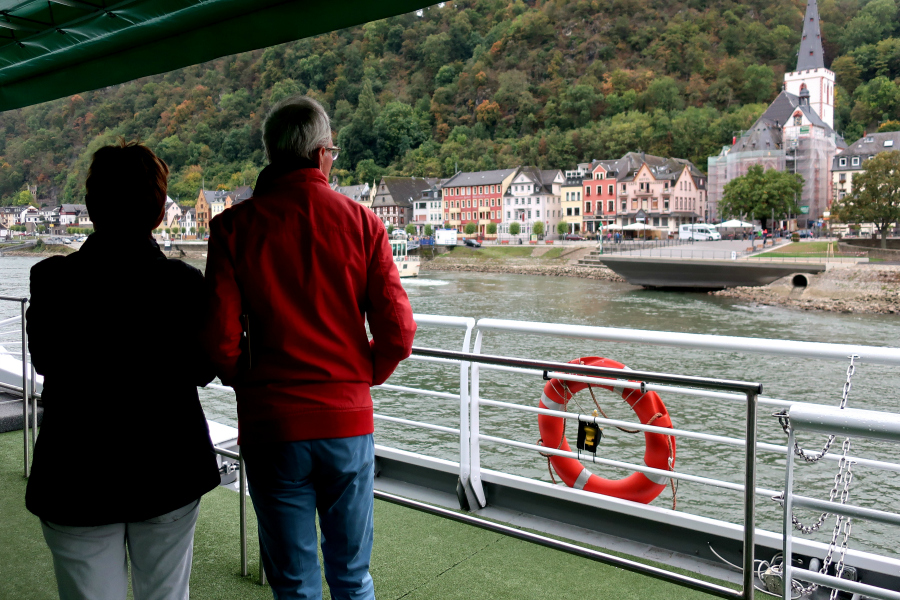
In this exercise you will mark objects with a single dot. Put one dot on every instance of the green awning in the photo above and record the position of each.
(50, 49)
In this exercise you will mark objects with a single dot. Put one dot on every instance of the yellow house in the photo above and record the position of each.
(571, 203)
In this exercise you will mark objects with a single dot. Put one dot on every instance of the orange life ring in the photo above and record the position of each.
(659, 448)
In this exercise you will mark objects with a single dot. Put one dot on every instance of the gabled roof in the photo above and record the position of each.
(214, 195)
(354, 192)
(810, 55)
(542, 179)
(240, 194)
(401, 191)
(767, 133)
(72, 208)
(868, 145)
(479, 178)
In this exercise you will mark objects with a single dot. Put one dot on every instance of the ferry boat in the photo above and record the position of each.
(407, 265)
(732, 553)
(657, 542)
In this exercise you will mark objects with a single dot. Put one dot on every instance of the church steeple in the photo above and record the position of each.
(811, 55)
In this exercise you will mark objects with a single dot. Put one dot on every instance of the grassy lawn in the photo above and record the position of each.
(502, 252)
(801, 249)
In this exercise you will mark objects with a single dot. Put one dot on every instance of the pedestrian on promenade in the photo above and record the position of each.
(125, 388)
(294, 273)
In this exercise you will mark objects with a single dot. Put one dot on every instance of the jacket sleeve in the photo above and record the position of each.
(389, 313)
(223, 330)
(46, 355)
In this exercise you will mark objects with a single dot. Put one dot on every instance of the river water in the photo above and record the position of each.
(588, 302)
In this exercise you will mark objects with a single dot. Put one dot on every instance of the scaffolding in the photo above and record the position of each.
(807, 151)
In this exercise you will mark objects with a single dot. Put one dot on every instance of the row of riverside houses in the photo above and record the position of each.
(55, 218)
(639, 187)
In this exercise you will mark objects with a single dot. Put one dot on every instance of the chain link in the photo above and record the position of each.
(842, 481)
(811, 457)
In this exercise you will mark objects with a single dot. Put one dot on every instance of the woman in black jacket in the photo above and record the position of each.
(124, 452)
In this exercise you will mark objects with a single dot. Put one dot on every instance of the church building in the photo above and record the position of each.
(795, 134)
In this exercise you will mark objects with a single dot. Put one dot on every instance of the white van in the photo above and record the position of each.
(698, 231)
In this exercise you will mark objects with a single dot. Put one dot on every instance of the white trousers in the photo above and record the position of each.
(91, 562)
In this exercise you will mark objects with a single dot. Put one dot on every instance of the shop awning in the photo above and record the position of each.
(50, 49)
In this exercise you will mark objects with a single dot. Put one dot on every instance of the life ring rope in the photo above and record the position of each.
(659, 451)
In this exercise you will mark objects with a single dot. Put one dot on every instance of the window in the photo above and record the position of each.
(611, 207)
(587, 207)
(610, 190)
(843, 162)
(529, 201)
(569, 211)
(529, 214)
(567, 196)
(577, 211)
(537, 214)
(666, 205)
(624, 205)
(507, 214)
(888, 143)
(843, 177)
(579, 196)
(855, 161)
(798, 120)
(480, 190)
(587, 191)
(507, 201)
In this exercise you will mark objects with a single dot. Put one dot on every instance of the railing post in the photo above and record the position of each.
(25, 398)
(474, 429)
(243, 491)
(750, 497)
(465, 467)
(787, 525)
(262, 568)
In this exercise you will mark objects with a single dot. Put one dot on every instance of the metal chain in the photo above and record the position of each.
(838, 480)
(844, 476)
(786, 425)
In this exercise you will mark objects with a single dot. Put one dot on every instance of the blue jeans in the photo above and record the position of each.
(289, 483)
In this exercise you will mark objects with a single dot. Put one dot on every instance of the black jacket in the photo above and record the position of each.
(115, 330)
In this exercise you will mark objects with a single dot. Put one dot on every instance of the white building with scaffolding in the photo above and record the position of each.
(795, 134)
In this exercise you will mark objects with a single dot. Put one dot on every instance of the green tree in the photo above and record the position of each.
(492, 228)
(390, 229)
(23, 198)
(876, 195)
(411, 229)
(175, 230)
(514, 228)
(760, 192)
(562, 228)
(428, 231)
(201, 231)
(471, 228)
(538, 228)
(397, 130)
(369, 172)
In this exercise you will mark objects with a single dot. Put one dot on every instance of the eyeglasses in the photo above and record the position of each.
(335, 152)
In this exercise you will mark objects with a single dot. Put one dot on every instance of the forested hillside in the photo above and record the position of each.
(476, 84)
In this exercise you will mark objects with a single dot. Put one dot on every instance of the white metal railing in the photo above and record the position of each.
(844, 422)
(29, 397)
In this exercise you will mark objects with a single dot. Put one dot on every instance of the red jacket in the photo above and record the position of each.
(308, 266)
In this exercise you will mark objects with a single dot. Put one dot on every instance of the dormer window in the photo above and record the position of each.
(888, 143)
(843, 162)
(855, 161)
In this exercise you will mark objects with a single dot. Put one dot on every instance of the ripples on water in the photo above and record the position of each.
(587, 302)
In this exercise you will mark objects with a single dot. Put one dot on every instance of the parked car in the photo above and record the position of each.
(804, 233)
(472, 243)
(574, 237)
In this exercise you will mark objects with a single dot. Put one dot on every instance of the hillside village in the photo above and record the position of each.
(794, 134)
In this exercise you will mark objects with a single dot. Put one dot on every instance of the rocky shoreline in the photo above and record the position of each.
(602, 273)
(864, 289)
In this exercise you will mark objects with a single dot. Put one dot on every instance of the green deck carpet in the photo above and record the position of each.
(416, 556)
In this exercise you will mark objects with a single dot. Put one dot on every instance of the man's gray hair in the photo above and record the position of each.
(295, 128)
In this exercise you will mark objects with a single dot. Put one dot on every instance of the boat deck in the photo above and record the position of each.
(416, 556)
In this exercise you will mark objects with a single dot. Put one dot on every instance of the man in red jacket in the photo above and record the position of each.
(293, 274)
